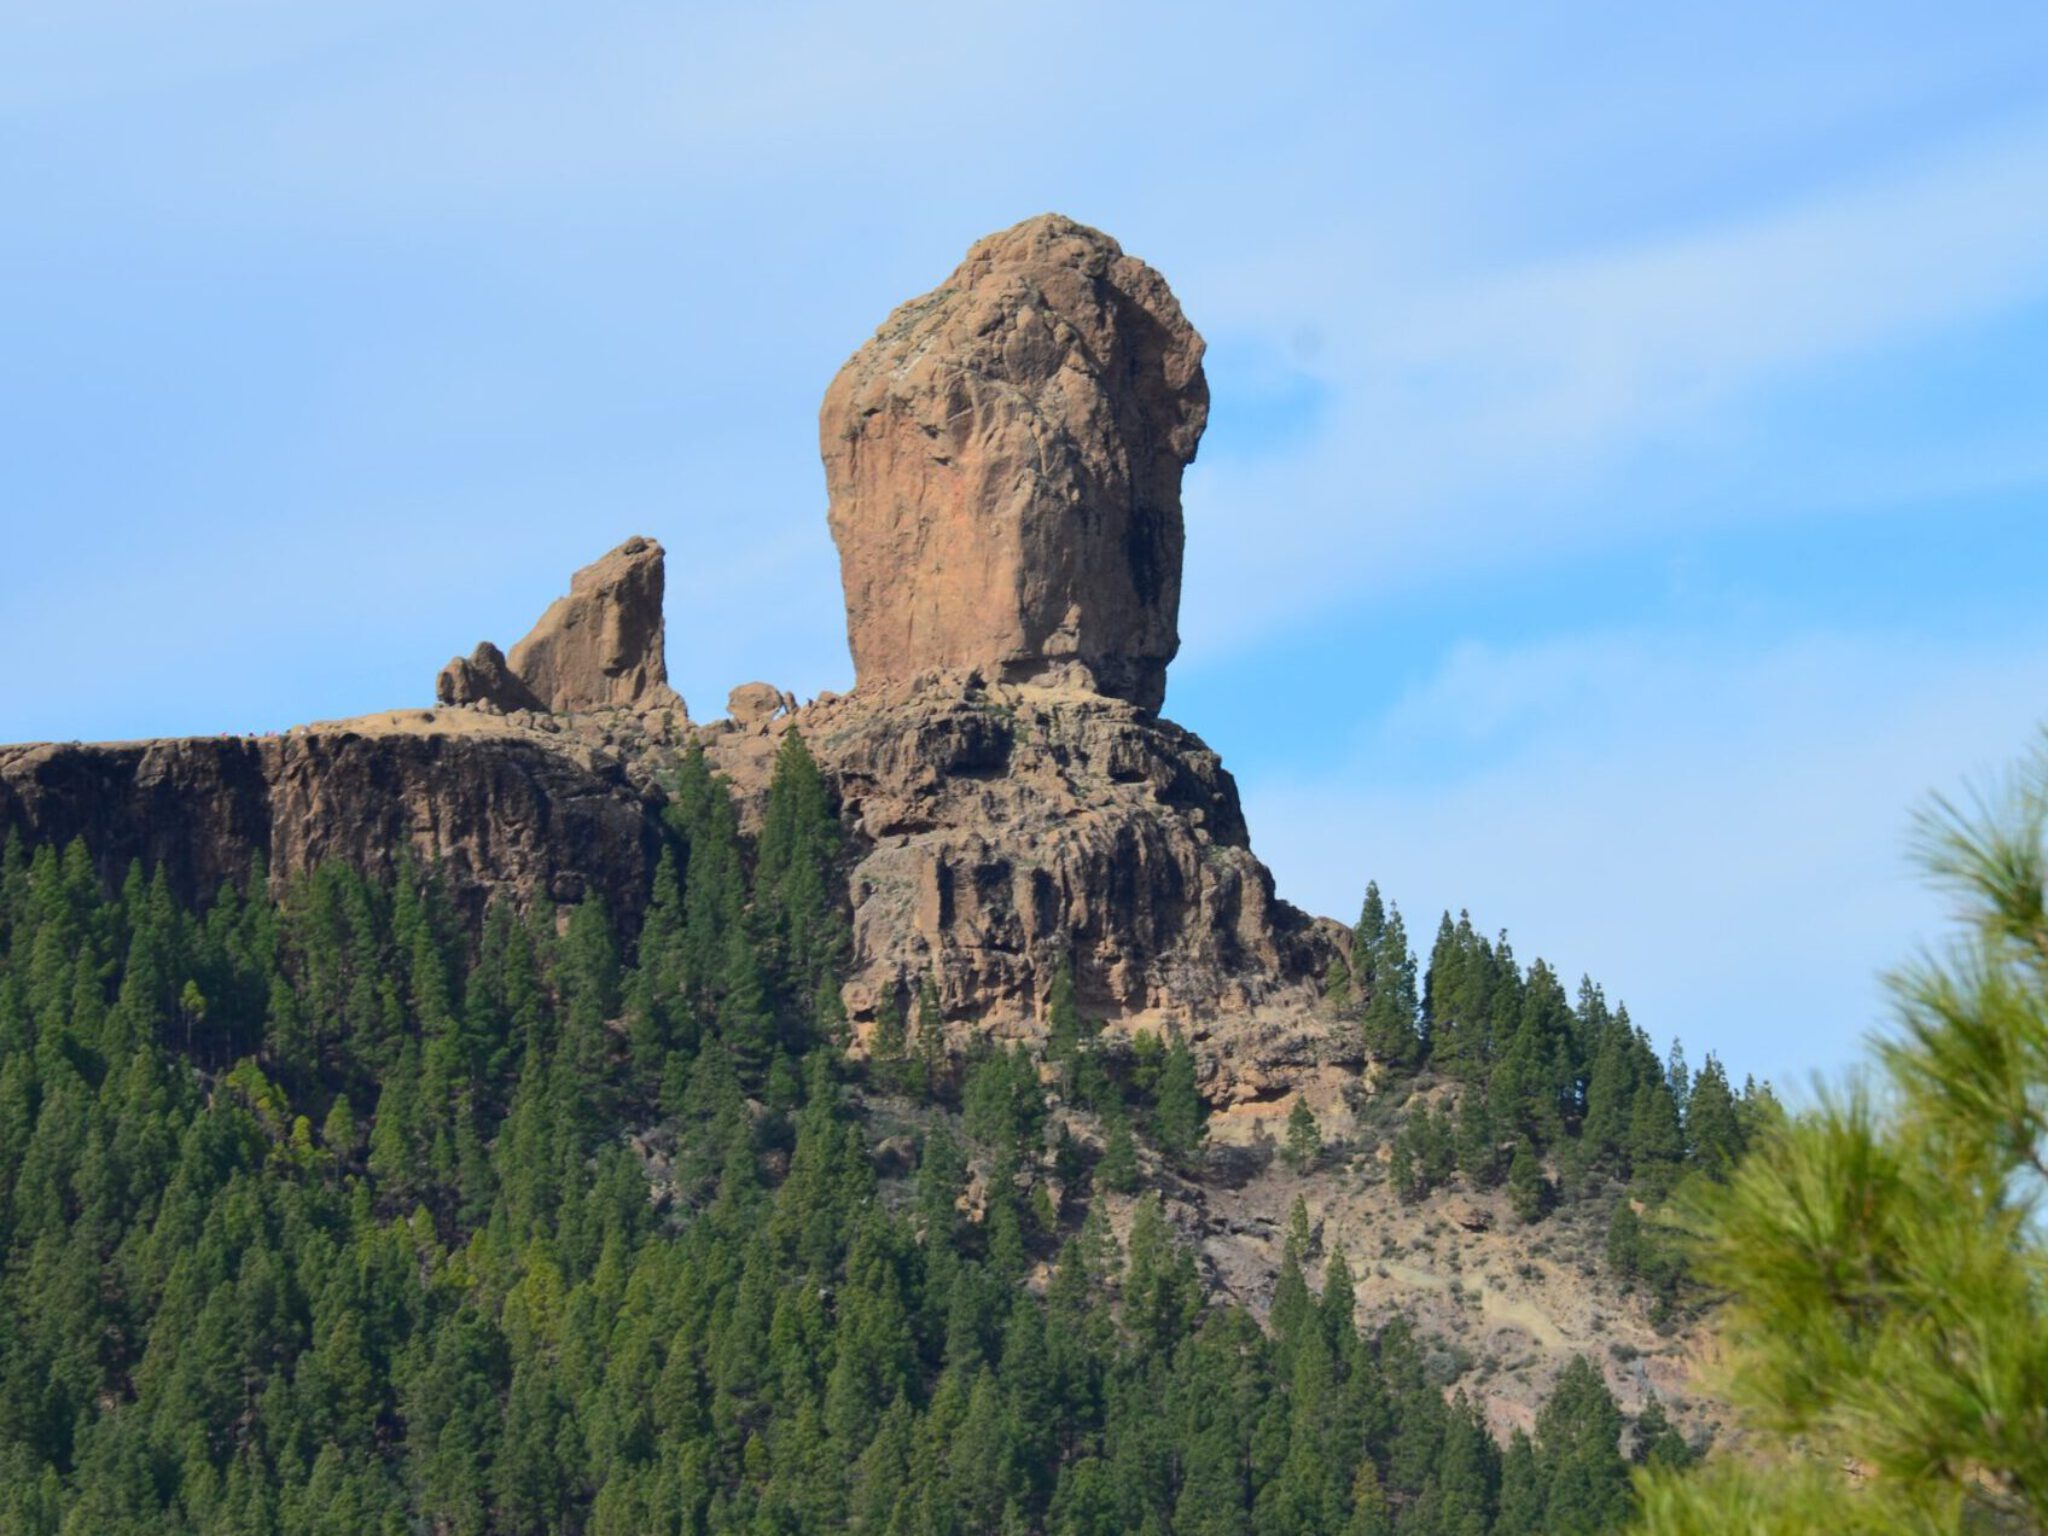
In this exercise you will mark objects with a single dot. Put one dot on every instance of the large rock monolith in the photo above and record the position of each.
(1004, 461)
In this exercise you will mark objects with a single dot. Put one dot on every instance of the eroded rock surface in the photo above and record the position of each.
(1001, 830)
(604, 645)
(1004, 461)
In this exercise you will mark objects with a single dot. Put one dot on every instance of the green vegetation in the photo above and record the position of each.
(1556, 1099)
(1883, 1254)
(1304, 1137)
(325, 1216)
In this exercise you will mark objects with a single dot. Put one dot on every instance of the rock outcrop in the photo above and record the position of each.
(1004, 461)
(604, 645)
(483, 680)
(503, 812)
(755, 704)
(1001, 831)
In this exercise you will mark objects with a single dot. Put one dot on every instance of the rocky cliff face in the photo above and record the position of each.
(1004, 463)
(512, 813)
(1001, 830)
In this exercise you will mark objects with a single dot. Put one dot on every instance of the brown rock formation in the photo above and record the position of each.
(1002, 830)
(482, 679)
(501, 812)
(602, 646)
(1004, 463)
(1005, 460)
(755, 704)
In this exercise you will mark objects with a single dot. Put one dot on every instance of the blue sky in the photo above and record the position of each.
(1627, 489)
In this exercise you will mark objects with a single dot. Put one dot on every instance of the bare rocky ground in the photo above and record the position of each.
(1506, 1304)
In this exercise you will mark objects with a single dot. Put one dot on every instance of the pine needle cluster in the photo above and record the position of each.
(1884, 1254)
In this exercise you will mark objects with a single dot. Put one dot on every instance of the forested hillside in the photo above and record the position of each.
(1517, 1086)
(321, 1215)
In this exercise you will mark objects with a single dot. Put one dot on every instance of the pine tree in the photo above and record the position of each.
(395, 1130)
(1610, 1090)
(1625, 1241)
(1161, 1292)
(1304, 1137)
(796, 886)
(888, 1046)
(1883, 1256)
(931, 1034)
(1437, 1144)
(1370, 1515)
(1389, 1009)
(1478, 1139)
(1578, 1431)
(1528, 1190)
(1521, 1511)
(1713, 1126)
(1658, 1442)
(1118, 1169)
(1367, 939)
(1402, 1172)
(1656, 1144)
(1179, 1116)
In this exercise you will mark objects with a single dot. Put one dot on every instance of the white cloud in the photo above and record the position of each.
(1710, 826)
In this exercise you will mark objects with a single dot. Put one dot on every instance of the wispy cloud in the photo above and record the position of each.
(1471, 422)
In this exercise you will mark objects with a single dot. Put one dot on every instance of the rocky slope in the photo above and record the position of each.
(1001, 830)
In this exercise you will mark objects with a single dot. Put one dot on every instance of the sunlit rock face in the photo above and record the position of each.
(602, 646)
(1004, 461)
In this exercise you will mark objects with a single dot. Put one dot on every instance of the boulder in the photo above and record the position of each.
(602, 646)
(482, 679)
(1004, 460)
(755, 704)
